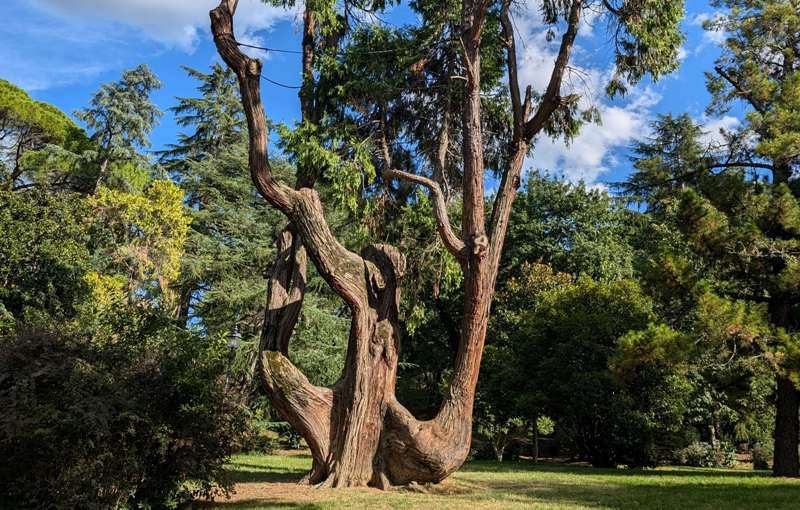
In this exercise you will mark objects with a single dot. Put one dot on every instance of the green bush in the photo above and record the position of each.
(762, 455)
(259, 437)
(138, 420)
(701, 454)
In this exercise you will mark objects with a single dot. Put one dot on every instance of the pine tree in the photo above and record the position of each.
(743, 233)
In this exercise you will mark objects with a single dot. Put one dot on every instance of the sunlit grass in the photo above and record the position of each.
(269, 482)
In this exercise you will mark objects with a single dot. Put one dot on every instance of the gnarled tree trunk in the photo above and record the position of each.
(357, 431)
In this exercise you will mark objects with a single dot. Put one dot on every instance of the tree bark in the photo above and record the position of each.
(286, 288)
(101, 176)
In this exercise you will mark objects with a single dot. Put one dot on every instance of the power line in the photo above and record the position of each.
(276, 50)
(297, 52)
(281, 84)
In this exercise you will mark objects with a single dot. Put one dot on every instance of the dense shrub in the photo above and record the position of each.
(762, 455)
(701, 454)
(565, 348)
(139, 420)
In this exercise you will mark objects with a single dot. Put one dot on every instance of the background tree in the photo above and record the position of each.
(734, 263)
(760, 69)
(29, 126)
(566, 344)
(120, 118)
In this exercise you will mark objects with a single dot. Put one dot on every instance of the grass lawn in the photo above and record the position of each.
(269, 481)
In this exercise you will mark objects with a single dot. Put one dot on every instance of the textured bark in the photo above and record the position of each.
(286, 288)
(358, 432)
(101, 176)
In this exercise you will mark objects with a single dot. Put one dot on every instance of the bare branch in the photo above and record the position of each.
(452, 242)
(440, 170)
(551, 100)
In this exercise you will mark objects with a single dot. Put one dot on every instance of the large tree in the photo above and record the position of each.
(760, 68)
(357, 430)
(747, 181)
(120, 118)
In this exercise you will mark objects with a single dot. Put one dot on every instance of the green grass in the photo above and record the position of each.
(269, 482)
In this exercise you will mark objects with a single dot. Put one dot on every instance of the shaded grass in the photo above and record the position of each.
(269, 482)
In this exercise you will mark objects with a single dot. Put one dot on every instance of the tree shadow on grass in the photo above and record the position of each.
(253, 473)
(672, 496)
(512, 467)
(261, 504)
(635, 488)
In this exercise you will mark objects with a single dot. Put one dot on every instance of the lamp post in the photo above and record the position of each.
(234, 340)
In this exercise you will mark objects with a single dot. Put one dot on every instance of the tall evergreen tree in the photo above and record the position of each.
(120, 118)
(760, 69)
(741, 231)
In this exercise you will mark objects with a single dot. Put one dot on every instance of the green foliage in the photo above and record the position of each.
(148, 232)
(343, 161)
(229, 241)
(31, 126)
(216, 118)
(43, 257)
(565, 347)
(139, 419)
(762, 455)
(723, 266)
(121, 116)
(647, 40)
(699, 454)
(574, 229)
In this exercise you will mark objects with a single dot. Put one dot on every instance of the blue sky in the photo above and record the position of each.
(61, 50)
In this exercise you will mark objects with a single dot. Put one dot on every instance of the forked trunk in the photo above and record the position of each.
(357, 431)
(286, 289)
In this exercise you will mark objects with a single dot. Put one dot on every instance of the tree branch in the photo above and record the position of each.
(341, 268)
(511, 62)
(551, 100)
(744, 93)
(552, 96)
(452, 242)
(723, 165)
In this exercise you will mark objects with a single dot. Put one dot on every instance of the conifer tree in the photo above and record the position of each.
(120, 118)
(741, 227)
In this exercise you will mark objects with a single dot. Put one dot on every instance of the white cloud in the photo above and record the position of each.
(710, 37)
(592, 152)
(171, 22)
(713, 128)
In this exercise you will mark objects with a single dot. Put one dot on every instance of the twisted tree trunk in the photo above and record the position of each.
(357, 431)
